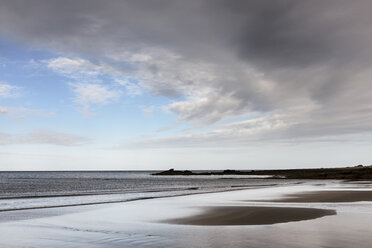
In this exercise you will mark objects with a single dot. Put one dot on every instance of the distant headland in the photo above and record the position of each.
(358, 172)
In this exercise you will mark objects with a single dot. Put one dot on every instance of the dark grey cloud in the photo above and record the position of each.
(279, 31)
(272, 33)
(306, 60)
(300, 33)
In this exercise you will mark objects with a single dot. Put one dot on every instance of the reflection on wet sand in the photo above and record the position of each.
(241, 215)
(329, 196)
(230, 219)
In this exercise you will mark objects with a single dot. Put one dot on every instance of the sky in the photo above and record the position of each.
(196, 84)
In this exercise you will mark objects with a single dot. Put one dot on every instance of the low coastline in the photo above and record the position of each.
(358, 172)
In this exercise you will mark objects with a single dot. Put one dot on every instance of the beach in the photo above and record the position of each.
(256, 217)
(185, 124)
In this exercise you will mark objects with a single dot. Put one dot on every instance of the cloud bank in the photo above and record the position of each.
(303, 64)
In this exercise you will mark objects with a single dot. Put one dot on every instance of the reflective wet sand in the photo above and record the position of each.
(141, 223)
(330, 196)
(240, 215)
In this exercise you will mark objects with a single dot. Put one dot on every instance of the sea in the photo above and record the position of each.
(46, 189)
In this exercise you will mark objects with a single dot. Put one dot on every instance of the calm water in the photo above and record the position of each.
(26, 190)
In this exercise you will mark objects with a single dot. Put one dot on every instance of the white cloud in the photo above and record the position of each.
(148, 111)
(242, 133)
(210, 92)
(207, 109)
(41, 136)
(88, 94)
(7, 90)
(78, 68)
(3, 110)
(132, 89)
(166, 73)
(18, 113)
(94, 84)
(204, 92)
(294, 125)
(251, 133)
(88, 87)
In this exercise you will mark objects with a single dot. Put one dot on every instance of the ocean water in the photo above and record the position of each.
(32, 190)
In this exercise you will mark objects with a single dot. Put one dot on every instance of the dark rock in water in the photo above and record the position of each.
(193, 188)
(172, 172)
(229, 172)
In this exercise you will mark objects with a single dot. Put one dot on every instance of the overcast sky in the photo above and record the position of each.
(196, 84)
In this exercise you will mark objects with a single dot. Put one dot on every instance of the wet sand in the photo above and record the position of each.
(240, 215)
(241, 218)
(329, 196)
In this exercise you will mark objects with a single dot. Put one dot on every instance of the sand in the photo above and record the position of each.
(329, 196)
(225, 219)
(240, 215)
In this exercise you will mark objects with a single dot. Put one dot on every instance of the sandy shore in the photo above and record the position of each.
(329, 196)
(243, 218)
(240, 215)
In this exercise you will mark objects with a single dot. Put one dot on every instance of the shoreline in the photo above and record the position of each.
(59, 209)
(239, 218)
(324, 196)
